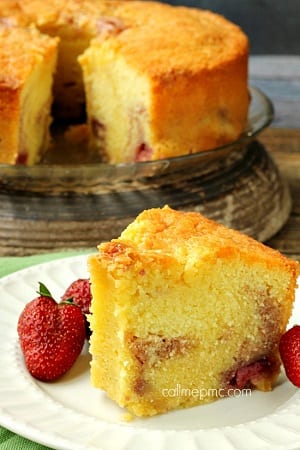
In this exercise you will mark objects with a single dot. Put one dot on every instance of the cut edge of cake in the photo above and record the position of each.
(26, 78)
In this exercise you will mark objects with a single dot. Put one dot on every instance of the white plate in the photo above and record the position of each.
(71, 415)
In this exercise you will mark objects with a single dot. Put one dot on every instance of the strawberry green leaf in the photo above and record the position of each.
(68, 301)
(44, 291)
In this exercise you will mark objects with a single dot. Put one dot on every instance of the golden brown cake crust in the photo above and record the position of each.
(200, 40)
(82, 16)
(213, 37)
(167, 228)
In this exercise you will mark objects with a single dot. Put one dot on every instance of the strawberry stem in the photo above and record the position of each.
(68, 301)
(44, 291)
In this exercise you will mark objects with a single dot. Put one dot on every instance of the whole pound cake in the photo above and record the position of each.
(27, 62)
(184, 305)
(157, 80)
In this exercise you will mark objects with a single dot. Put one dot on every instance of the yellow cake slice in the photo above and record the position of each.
(182, 304)
(164, 81)
(28, 61)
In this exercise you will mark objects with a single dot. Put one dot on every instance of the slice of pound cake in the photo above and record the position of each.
(28, 61)
(182, 304)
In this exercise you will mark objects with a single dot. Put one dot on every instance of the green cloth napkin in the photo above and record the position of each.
(8, 439)
(11, 441)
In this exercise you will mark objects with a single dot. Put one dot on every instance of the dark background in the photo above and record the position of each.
(273, 26)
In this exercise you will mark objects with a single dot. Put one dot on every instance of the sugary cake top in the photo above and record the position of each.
(11, 13)
(79, 16)
(24, 48)
(190, 234)
(149, 34)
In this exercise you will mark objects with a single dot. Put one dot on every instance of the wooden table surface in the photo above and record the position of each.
(279, 78)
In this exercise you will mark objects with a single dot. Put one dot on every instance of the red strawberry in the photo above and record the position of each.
(289, 348)
(51, 336)
(80, 293)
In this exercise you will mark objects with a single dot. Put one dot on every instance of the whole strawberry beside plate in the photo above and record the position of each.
(51, 335)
